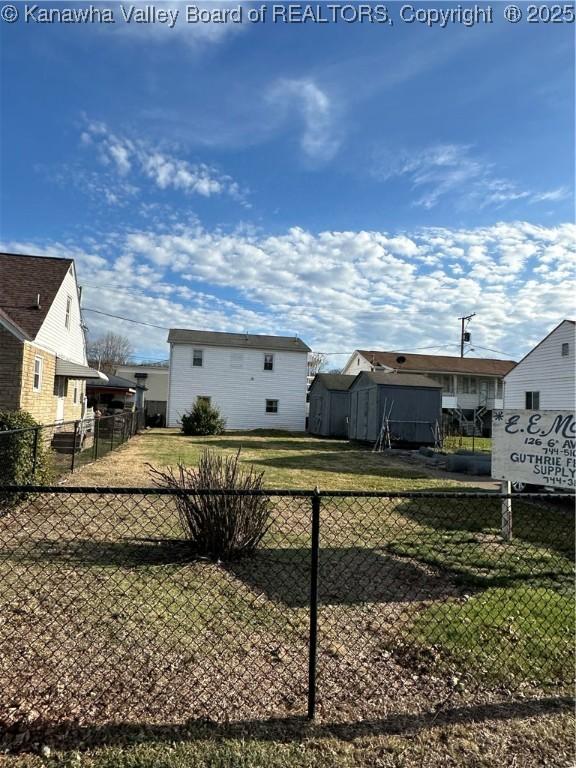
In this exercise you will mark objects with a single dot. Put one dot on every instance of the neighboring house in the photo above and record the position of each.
(545, 378)
(155, 379)
(257, 382)
(116, 394)
(43, 366)
(411, 402)
(329, 405)
(471, 387)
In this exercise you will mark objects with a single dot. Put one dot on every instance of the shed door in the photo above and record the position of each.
(363, 409)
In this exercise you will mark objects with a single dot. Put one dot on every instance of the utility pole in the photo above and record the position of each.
(463, 320)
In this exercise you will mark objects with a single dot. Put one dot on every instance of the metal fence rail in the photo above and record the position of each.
(66, 445)
(351, 605)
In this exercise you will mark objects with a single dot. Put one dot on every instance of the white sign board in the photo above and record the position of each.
(537, 447)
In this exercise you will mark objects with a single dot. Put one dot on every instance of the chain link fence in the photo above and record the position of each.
(65, 446)
(351, 606)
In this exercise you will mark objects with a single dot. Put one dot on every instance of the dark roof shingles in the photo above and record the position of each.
(439, 363)
(240, 340)
(22, 278)
(334, 381)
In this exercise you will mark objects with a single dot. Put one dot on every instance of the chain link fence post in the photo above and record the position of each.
(507, 510)
(313, 642)
(75, 439)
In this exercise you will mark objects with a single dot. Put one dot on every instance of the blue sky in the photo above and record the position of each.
(361, 185)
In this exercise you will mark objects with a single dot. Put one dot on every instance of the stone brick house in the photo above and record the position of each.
(43, 366)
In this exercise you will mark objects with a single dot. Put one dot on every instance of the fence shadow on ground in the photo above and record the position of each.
(114, 554)
(348, 575)
(343, 463)
(534, 522)
(283, 730)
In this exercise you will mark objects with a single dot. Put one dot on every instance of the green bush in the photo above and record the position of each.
(203, 419)
(220, 526)
(17, 463)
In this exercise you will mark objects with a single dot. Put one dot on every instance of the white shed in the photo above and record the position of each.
(257, 382)
(545, 378)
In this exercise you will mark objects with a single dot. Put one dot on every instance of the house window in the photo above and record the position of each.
(268, 362)
(499, 388)
(565, 349)
(473, 385)
(75, 393)
(37, 385)
(532, 401)
(68, 311)
(198, 358)
(60, 386)
(271, 406)
(204, 399)
(463, 385)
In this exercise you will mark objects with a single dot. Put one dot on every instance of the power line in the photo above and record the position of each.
(127, 319)
(166, 328)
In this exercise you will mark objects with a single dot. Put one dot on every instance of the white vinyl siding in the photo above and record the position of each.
(546, 371)
(156, 382)
(70, 345)
(240, 393)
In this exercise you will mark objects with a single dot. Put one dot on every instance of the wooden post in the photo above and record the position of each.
(506, 511)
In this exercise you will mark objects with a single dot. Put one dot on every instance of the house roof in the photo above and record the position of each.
(403, 361)
(243, 340)
(399, 379)
(22, 278)
(336, 381)
(114, 382)
(570, 322)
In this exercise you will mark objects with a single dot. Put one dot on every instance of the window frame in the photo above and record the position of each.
(565, 349)
(38, 373)
(271, 367)
(68, 315)
(196, 352)
(273, 409)
(207, 399)
(530, 398)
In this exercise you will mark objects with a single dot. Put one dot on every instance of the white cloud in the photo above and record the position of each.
(212, 30)
(319, 141)
(338, 290)
(449, 170)
(139, 159)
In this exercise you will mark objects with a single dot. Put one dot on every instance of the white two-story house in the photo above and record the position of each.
(471, 387)
(545, 378)
(256, 382)
(43, 366)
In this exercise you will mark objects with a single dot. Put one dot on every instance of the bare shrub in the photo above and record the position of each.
(219, 526)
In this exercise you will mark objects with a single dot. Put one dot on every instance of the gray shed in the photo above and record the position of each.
(413, 402)
(329, 405)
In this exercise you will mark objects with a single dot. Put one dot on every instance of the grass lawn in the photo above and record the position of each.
(439, 644)
(288, 461)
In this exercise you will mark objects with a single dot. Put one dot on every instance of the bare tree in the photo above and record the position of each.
(109, 351)
(316, 361)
